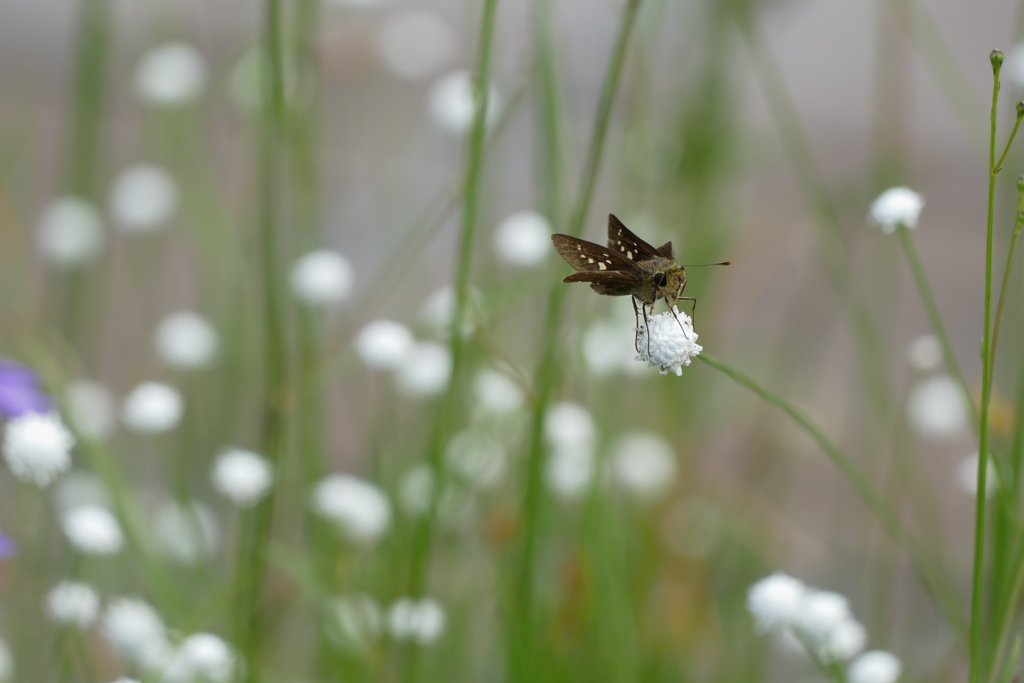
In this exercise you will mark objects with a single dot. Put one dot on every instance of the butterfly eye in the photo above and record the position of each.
(660, 279)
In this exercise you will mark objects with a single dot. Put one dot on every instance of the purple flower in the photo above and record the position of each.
(19, 391)
(7, 547)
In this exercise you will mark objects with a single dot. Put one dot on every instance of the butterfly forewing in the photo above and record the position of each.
(622, 240)
(587, 256)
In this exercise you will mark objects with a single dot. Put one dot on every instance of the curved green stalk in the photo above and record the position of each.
(1017, 225)
(976, 673)
(876, 502)
(935, 318)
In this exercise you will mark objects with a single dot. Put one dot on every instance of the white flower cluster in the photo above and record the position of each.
(821, 622)
(242, 476)
(422, 620)
(895, 207)
(73, 603)
(322, 278)
(421, 369)
(360, 510)
(936, 409)
(668, 342)
(571, 436)
(37, 447)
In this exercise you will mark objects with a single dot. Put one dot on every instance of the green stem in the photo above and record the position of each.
(875, 501)
(423, 538)
(549, 372)
(976, 673)
(1017, 225)
(252, 550)
(934, 317)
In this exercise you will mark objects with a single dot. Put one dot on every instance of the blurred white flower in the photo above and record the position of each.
(200, 657)
(452, 105)
(6, 662)
(322, 278)
(935, 408)
(875, 666)
(825, 624)
(476, 458)
(125, 679)
(671, 346)
(896, 206)
(70, 232)
(91, 409)
(78, 488)
(152, 408)
(775, 601)
(523, 239)
(242, 476)
(135, 630)
(359, 619)
(186, 340)
(966, 476)
(644, 464)
(569, 424)
(420, 620)
(73, 603)
(170, 74)
(608, 347)
(924, 353)
(359, 509)
(569, 470)
(439, 308)
(425, 371)
(185, 533)
(37, 447)
(384, 344)
(414, 44)
(495, 393)
(415, 488)
(143, 198)
(93, 530)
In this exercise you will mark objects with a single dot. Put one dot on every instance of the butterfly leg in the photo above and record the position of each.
(636, 316)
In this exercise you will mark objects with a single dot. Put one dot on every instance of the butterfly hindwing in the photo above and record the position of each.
(667, 252)
(622, 240)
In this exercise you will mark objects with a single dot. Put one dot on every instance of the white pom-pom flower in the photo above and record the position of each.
(37, 447)
(966, 476)
(495, 393)
(569, 424)
(322, 278)
(439, 310)
(152, 408)
(200, 657)
(925, 353)
(569, 471)
(523, 239)
(384, 344)
(668, 342)
(477, 458)
(170, 74)
(70, 232)
(894, 207)
(73, 603)
(135, 630)
(775, 601)
(935, 408)
(143, 198)
(93, 530)
(825, 624)
(644, 464)
(359, 509)
(186, 340)
(91, 409)
(242, 476)
(425, 371)
(452, 105)
(875, 666)
(422, 621)
(415, 44)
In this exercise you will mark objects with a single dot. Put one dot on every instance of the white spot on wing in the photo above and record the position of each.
(602, 266)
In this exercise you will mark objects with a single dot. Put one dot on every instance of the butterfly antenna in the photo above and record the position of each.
(702, 265)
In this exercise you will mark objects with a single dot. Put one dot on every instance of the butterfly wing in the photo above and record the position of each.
(622, 240)
(608, 282)
(667, 252)
(587, 256)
